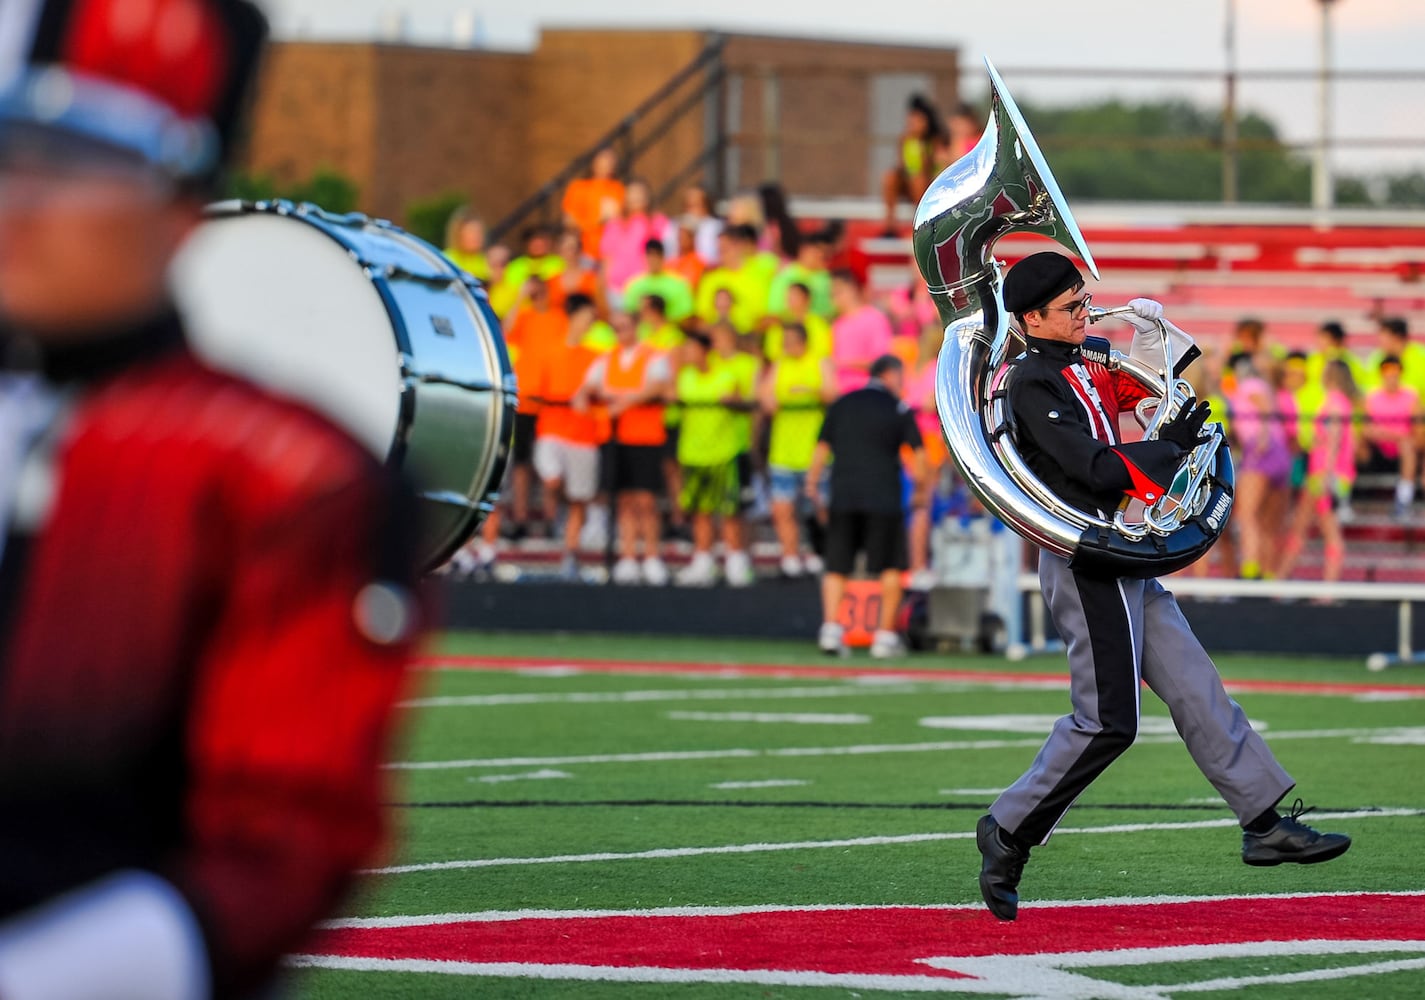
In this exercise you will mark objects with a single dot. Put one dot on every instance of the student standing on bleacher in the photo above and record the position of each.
(1330, 473)
(794, 392)
(708, 445)
(566, 456)
(656, 279)
(861, 333)
(630, 383)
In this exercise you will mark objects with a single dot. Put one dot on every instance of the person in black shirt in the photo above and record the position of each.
(864, 432)
(1120, 633)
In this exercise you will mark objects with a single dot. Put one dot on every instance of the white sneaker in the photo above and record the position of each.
(626, 572)
(700, 572)
(813, 564)
(792, 567)
(885, 645)
(594, 536)
(655, 573)
(738, 569)
(831, 640)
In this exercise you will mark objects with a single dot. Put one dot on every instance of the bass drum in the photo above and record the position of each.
(372, 327)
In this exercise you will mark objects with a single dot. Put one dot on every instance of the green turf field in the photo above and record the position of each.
(607, 794)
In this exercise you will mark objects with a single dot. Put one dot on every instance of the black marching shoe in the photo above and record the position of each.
(1000, 869)
(1292, 842)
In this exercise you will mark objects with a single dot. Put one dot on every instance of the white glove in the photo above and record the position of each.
(1145, 315)
(1148, 343)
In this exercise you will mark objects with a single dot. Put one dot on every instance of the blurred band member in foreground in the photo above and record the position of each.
(207, 594)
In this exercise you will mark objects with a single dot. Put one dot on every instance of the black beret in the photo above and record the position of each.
(1034, 281)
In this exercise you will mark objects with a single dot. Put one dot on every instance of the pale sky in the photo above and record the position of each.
(1186, 34)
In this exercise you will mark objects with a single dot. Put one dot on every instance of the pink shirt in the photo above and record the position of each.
(621, 247)
(1336, 458)
(912, 310)
(920, 396)
(857, 339)
(1393, 412)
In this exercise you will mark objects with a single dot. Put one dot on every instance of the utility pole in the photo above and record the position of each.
(1322, 184)
(1229, 109)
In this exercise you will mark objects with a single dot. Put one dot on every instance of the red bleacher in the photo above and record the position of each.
(1291, 275)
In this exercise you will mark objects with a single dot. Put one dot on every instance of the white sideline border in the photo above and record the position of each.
(662, 853)
(867, 749)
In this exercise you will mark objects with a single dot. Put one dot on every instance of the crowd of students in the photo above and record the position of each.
(1304, 427)
(677, 370)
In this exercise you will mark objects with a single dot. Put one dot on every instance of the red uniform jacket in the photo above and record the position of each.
(201, 664)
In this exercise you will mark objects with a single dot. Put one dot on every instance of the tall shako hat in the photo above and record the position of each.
(1037, 279)
(159, 83)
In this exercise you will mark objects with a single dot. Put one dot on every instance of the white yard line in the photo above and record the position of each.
(671, 694)
(769, 783)
(939, 746)
(970, 791)
(807, 845)
(774, 718)
(545, 774)
(495, 916)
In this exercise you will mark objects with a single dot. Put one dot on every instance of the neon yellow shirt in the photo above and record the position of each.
(471, 263)
(818, 339)
(744, 368)
(601, 338)
(665, 338)
(749, 287)
(797, 383)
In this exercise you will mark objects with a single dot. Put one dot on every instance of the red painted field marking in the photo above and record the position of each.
(948, 944)
(806, 671)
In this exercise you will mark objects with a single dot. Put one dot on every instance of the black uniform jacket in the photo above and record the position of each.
(1064, 408)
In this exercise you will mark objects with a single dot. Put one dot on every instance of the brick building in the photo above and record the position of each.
(406, 122)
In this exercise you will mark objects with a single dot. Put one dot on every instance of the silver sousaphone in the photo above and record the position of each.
(1003, 186)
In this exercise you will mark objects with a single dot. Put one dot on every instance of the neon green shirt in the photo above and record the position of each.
(709, 433)
(817, 282)
(675, 292)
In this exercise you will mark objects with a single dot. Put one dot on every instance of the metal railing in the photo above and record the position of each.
(695, 89)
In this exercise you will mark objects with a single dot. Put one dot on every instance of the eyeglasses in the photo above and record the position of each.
(1077, 305)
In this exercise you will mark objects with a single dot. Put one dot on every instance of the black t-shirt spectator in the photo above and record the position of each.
(865, 430)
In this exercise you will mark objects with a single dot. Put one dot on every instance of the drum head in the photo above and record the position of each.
(277, 300)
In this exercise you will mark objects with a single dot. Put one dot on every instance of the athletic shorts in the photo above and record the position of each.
(1379, 463)
(523, 452)
(575, 465)
(633, 467)
(712, 489)
(880, 536)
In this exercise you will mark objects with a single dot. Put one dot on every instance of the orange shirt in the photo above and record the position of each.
(689, 267)
(641, 425)
(584, 203)
(530, 336)
(586, 284)
(560, 374)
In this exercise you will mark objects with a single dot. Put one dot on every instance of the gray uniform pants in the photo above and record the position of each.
(1118, 633)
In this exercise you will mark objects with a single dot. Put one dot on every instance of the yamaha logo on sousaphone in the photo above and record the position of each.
(1001, 186)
